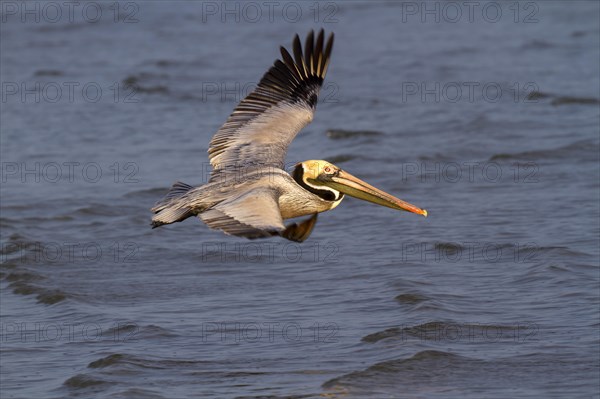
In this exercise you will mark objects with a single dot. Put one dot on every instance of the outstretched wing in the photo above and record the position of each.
(253, 215)
(256, 215)
(262, 126)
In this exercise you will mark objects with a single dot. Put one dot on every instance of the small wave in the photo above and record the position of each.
(423, 307)
(437, 157)
(165, 63)
(143, 83)
(46, 43)
(337, 134)
(307, 396)
(237, 374)
(100, 210)
(48, 72)
(543, 259)
(123, 330)
(153, 331)
(561, 100)
(553, 251)
(578, 148)
(107, 361)
(579, 33)
(411, 299)
(50, 297)
(537, 95)
(149, 192)
(36, 219)
(537, 44)
(446, 331)
(460, 50)
(448, 247)
(52, 28)
(22, 282)
(24, 276)
(565, 100)
(132, 331)
(178, 63)
(120, 359)
(438, 371)
(43, 295)
(6, 224)
(16, 242)
(83, 381)
(425, 360)
(134, 393)
(22, 288)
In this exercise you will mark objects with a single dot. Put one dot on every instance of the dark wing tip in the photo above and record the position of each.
(327, 54)
(292, 79)
(309, 45)
(298, 56)
(299, 75)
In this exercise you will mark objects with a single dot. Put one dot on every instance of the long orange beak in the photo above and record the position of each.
(353, 186)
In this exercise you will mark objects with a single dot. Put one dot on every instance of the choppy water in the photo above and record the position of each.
(492, 126)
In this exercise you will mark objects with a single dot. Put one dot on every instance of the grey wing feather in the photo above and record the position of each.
(253, 215)
(262, 126)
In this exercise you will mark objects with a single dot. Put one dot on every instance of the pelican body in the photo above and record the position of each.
(249, 194)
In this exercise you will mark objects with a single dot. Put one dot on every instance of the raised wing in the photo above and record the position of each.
(262, 126)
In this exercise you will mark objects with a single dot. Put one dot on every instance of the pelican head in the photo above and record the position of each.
(331, 183)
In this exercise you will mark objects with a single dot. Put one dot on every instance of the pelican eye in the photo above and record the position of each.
(327, 170)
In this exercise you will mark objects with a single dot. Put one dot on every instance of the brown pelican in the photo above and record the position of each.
(248, 193)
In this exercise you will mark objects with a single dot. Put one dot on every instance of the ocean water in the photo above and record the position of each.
(487, 116)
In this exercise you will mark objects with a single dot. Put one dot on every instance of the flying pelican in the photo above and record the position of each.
(248, 193)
